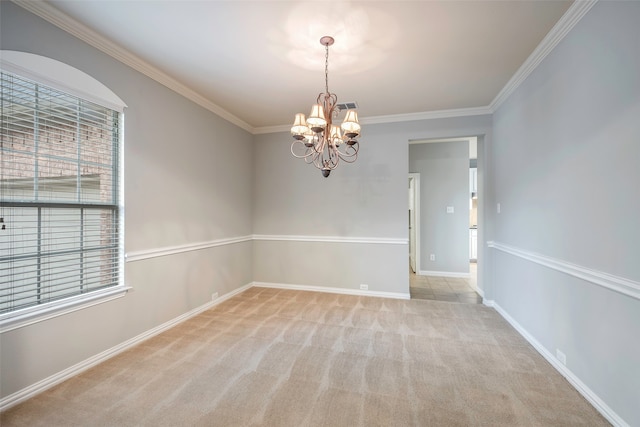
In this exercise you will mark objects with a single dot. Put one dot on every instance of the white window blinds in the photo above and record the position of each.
(59, 210)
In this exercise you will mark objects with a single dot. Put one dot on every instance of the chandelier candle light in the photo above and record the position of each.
(317, 139)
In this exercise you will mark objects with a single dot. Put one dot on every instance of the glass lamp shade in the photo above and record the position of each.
(336, 135)
(316, 120)
(350, 125)
(299, 127)
(309, 138)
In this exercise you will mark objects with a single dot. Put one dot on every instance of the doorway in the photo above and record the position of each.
(414, 223)
(454, 284)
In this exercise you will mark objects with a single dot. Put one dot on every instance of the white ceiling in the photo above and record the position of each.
(262, 62)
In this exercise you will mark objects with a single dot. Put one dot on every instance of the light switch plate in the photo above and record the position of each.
(449, 209)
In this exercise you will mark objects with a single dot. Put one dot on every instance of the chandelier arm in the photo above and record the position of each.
(308, 150)
(351, 159)
(336, 158)
(311, 159)
(318, 161)
(350, 155)
(350, 150)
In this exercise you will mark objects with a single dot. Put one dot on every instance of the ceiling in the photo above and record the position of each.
(261, 61)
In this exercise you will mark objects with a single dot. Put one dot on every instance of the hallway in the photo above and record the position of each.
(452, 289)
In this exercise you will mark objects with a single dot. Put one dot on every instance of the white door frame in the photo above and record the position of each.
(416, 200)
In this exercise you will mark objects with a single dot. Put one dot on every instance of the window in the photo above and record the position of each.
(60, 211)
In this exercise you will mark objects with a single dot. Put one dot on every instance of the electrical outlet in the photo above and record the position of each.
(364, 287)
(449, 209)
(562, 358)
(214, 296)
(432, 257)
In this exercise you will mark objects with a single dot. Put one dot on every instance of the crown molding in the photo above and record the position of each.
(49, 13)
(395, 118)
(570, 18)
(271, 129)
(84, 33)
(427, 115)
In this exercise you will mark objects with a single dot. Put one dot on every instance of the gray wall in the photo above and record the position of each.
(188, 179)
(444, 181)
(565, 159)
(192, 177)
(367, 200)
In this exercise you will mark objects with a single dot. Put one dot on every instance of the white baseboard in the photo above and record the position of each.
(40, 386)
(489, 302)
(477, 289)
(396, 295)
(454, 274)
(582, 388)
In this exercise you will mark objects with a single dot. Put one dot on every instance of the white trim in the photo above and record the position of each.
(468, 139)
(332, 290)
(84, 33)
(40, 386)
(60, 76)
(271, 129)
(581, 387)
(172, 250)
(460, 275)
(49, 13)
(332, 239)
(30, 315)
(477, 289)
(570, 18)
(615, 283)
(395, 118)
(427, 115)
(416, 205)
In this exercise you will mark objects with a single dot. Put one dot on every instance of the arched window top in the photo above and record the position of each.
(60, 76)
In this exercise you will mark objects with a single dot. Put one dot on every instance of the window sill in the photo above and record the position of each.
(31, 315)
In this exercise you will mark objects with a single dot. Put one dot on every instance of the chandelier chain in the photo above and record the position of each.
(326, 68)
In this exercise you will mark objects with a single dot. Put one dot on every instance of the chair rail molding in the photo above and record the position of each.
(140, 255)
(615, 283)
(171, 250)
(331, 239)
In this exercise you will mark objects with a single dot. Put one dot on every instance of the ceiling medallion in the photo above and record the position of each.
(317, 139)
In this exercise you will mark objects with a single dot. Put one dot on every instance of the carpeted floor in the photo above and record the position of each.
(271, 357)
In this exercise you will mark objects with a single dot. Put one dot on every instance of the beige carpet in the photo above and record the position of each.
(272, 357)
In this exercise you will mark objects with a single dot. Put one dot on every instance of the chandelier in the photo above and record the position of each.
(317, 139)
